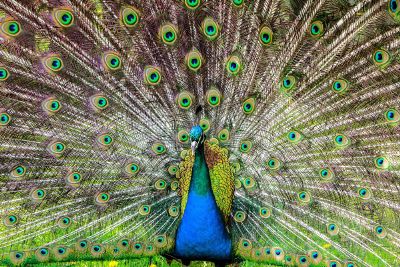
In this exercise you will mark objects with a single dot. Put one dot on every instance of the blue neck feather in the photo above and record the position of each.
(202, 234)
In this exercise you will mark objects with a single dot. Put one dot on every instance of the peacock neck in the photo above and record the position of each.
(200, 183)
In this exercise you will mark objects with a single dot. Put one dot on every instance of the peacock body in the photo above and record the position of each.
(219, 130)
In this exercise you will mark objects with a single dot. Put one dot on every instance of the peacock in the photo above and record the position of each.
(264, 131)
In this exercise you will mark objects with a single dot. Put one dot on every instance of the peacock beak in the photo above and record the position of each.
(194, 146)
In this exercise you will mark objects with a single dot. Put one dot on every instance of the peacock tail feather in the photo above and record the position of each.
(299, 101)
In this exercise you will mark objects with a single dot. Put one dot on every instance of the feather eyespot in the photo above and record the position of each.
(53, 63)
(265, 36)
(11, 28)
(213, 97)
(51, 105)
(152, 75)
(245, 146)
(381, 163)
(392, 116)
(144, 210)
(340, 86)
(381, 58)
(102, 198)
(129, 16)
(99, 102)
(249, 106)
(4, 74)
(185, 100)
(233, 65)
(10, 220)
(159, 148)
(210, 28)
(192, 4)
(316, 28)
(288, 84)
(194, 60)
(63, 17)
(168, 34)
(112, 61)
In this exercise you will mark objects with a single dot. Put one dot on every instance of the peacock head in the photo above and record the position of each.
(196, 136)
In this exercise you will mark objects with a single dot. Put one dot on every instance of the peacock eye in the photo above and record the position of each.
(160, 184)
(51, 105)
(213, 97)
(4, 74)
(194, 60)
(341, 141)
(333, 263)
(105, 140)
(137, 247)
(380, 231)
(210, 28)
(340, 86)
(364, 193)
(392, 115)
(326, 174)
(102, 198)
(239, 216)
(111, 61)
(144, 210)
(294, 137)
(264, 212)
(132, 168)
(278, 253)
(74, 178)
(381, 58)
(223, 135)
(53, 63)
(173, 211)
(233, 65)
(274, 164)
(304, 197)
(249, 106)
(249, 183)
(183, 136)
(174, 185)
(42, 254)
(288, 258)
(56, 148)
(130, 16)
(185, 100)
(18, 171)
(316, 28)
(168, 34)
(332, 229)
(238, 3)
(205, 125)
(245, 146)
(303, 260)
(160, 241)
(315, 256)
(99, 102)
(152, 75)
(63, 17)
(10, 220)
(159, 148)
(288, 84)
(381, 163)
(64, 222)
(192, 4)
(4, 119)
(11, 28)
(96, 250)
(172, 170)
(265, 36)
(38, 194)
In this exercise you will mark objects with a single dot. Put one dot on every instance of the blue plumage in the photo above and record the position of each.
(202, 233)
